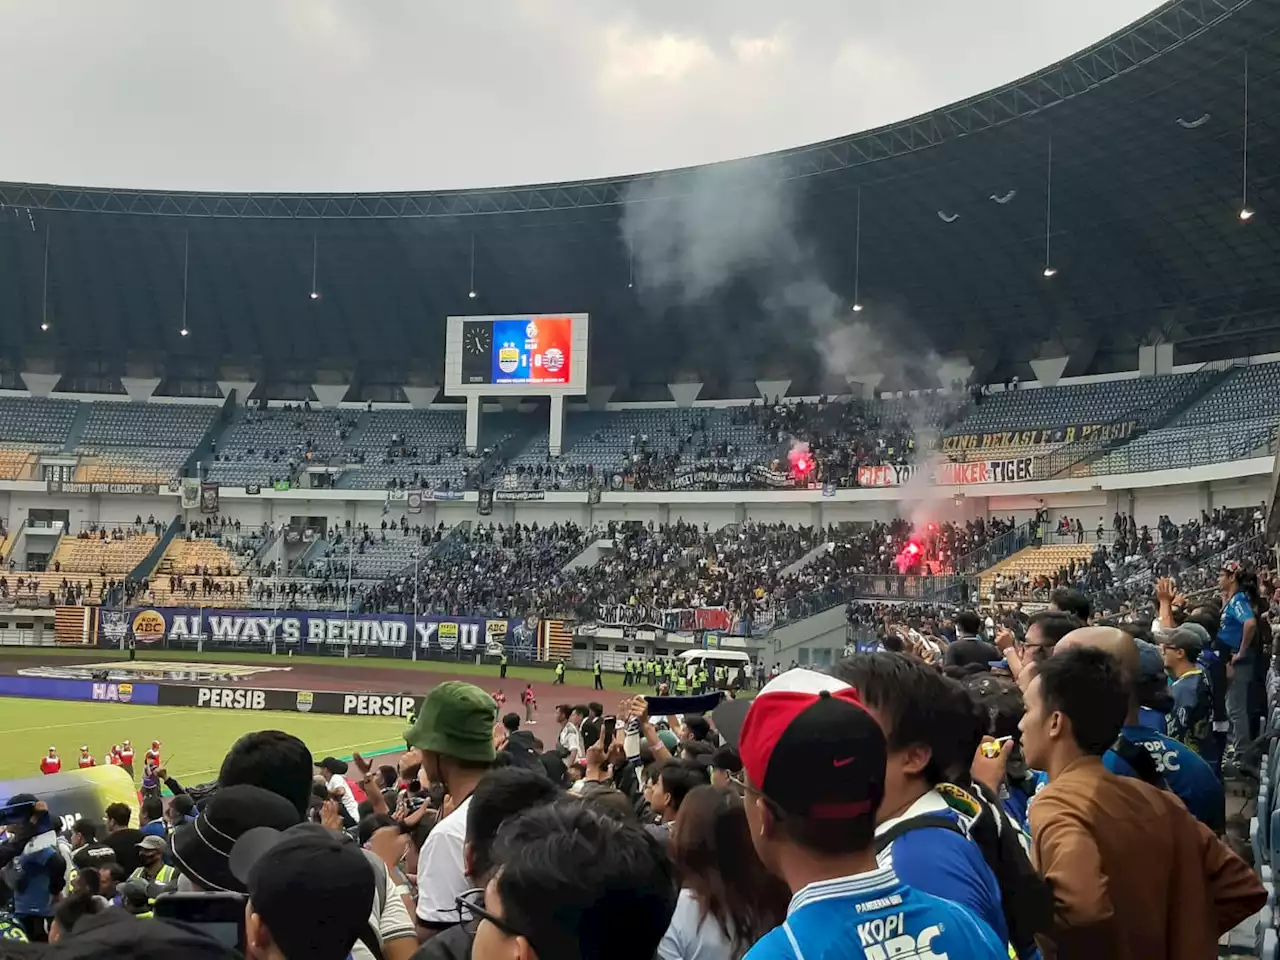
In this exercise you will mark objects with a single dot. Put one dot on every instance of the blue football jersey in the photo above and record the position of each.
(875, 916)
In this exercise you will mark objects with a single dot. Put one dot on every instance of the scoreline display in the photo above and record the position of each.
(517, 353)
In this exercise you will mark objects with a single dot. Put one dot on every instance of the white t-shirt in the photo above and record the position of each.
(442, 874)
(571, 740)
(339, 782)
(690, 936)
(394, 924)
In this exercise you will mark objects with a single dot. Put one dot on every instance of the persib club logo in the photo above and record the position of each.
(553, 359)
(306, 699)
(126, 692)
(148, 626)
(509, 358)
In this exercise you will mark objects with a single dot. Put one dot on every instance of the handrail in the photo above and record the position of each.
(149, 563)
(1028, 534)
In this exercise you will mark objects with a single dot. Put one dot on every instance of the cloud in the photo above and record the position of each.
(422, 94)
(666, 58)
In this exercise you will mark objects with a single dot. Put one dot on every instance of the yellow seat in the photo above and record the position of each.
(1035, 561)
(95, 555)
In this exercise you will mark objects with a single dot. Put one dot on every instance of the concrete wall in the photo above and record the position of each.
(1181, 501)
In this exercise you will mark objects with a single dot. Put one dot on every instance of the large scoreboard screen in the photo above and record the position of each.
(520, 353)
(519, 350)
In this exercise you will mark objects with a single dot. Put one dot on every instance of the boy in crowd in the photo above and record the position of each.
(815, 762)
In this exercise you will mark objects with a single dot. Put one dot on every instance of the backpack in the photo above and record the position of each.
(1025, 897)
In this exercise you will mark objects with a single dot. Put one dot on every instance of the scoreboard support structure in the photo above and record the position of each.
(555, 429)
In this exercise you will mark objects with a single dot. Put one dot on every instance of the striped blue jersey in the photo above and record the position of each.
(875, 916)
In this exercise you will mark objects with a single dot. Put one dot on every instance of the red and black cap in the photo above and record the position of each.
(808, 744)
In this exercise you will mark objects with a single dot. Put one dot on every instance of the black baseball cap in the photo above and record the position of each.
(202, 848)
(808, 744)
(313, 890)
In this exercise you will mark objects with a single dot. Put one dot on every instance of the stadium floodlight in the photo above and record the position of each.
(44, 325)
(1246, 213)
(315, 294)
(857, 308)
(183, 332)
(471, 294)
(1050, 271)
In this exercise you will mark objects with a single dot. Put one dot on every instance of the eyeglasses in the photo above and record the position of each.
(470, 907)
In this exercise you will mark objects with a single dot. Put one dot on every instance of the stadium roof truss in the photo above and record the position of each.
(1144, 130)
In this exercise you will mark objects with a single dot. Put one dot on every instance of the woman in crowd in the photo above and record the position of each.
(727, 898)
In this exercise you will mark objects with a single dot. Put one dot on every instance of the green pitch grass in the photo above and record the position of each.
(194, 741)
(514, 672)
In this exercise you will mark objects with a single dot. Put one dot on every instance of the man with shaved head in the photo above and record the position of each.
(1182, 770)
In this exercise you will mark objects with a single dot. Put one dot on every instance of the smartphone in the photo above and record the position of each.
(606, 734)
(218, 915)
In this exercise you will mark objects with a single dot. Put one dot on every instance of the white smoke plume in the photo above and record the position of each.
(693, 235)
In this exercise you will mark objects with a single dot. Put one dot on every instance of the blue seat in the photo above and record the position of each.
(1270, 946)
(1273, 839)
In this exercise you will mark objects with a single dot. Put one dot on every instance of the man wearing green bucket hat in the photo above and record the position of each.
(452, 737)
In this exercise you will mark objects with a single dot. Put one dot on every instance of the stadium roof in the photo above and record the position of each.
(940, 223)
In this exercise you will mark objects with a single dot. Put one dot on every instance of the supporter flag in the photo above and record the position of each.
(484, 504)
(190, 493)
(208, 498)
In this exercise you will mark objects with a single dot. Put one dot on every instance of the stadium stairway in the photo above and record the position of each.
(825, 629)
(1035, 561)
(591, 554)
(83, 411)
(7, 544)
(559, 641)
(807, 559)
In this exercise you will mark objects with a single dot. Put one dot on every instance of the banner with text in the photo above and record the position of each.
(985, 471)
(114, 489)
(1017, 470)
(886, 475)
(684, 620)
(209, 697)
(1052, 435)
(389, 632)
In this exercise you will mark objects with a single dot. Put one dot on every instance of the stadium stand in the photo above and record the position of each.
(37, 423)
(1074, 404)
(16, 464)
(114, 553)
(123, 465)
(261, 446)
(418, 448)
(147, 425)
(645, 448)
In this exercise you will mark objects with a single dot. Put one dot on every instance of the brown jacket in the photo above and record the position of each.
(1134, 875)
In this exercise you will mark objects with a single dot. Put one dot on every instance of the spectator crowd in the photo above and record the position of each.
(967, 790)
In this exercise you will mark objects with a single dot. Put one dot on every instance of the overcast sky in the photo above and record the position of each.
(373, 95)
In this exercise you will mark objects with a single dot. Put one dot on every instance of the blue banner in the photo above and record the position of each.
(41, 688)
(298, 629)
